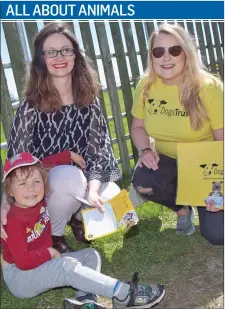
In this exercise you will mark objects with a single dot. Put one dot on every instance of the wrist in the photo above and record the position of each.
(144, 149)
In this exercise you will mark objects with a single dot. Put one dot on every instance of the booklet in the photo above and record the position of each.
(118, 213)
(200, 173)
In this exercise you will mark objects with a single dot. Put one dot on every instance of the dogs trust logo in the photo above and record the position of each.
(211, 171)
(158, 107)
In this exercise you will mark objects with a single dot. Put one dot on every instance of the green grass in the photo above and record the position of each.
(151, 248)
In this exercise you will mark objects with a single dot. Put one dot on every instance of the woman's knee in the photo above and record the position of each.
(214, 239)
(67, 178)
(108, 190)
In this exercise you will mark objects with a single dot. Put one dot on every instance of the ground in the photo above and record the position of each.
(194, 282)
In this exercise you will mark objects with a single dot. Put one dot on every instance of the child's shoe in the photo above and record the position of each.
(140, 295)
(89, 301)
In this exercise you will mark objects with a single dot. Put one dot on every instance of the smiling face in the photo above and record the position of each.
(27, 190)
(169, 68)
(59, 66)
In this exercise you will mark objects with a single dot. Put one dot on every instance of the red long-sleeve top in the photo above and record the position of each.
(29, 229)
(29, 236)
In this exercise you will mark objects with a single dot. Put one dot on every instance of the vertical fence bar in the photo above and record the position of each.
(218, 49)
(150, 28)
(111, 83)
(190, 26)
(1, 187)
(221, 27)
(142, 43)
(124, 76)
(90, 51)
(181, 23)
(131, 51)
(16, 55)
(6, 105)
(202, 46)
(31, 31)
(213, 68)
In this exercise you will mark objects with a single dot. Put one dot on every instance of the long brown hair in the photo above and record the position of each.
(193, 75)
(40, 91)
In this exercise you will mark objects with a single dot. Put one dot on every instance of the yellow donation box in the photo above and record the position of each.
(200, 173)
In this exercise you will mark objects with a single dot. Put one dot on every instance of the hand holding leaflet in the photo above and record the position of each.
(118, 212)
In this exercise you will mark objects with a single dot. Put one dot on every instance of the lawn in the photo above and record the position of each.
(190, 268)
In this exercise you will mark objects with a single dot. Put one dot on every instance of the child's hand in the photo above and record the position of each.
(54, 253)
(76, 158)
(210, 206)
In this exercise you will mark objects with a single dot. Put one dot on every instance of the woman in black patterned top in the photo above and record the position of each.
(61, 112)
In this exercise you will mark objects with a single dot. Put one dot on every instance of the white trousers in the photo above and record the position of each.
(67, 182)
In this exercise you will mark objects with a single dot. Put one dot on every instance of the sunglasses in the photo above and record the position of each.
(174, 51)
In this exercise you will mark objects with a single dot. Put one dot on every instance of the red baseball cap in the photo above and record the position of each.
(20, 159)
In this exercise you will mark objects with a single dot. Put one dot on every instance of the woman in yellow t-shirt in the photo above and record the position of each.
(176, 100)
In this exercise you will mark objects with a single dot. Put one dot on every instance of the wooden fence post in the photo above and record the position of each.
(213, 68)
(131, 52)
(142, 43)
(6, 105)
(111, 83)
(218, 49)
(124, 77)
(16, 55)
(90, 51)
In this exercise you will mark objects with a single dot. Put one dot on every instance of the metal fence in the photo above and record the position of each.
(119, 52)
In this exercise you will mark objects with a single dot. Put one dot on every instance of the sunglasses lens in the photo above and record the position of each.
(158, 52)
(175, 50)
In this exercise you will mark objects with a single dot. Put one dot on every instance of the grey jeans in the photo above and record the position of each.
(80, 269)
(67, 182)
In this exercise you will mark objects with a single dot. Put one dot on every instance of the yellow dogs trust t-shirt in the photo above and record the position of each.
(166, 120)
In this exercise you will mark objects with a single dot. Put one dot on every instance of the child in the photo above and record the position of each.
(31, 265)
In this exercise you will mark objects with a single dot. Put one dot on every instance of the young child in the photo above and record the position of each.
(31, 265)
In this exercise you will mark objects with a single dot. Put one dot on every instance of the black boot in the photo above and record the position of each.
(78, 229)
(60, 244)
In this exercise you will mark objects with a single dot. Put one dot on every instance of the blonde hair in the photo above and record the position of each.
(194, 72)
(27, 171)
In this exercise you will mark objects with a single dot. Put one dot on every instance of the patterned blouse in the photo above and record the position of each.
(82, 130)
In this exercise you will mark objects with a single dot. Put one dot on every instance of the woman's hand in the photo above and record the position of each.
(149, 158)
(5, 207)
(210, 206)
(76, 158)
(55, 254)
(95, 200)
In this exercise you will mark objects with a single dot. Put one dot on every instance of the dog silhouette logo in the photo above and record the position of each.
(208, 169)
(155, 105)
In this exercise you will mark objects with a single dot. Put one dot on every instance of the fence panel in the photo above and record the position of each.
(6, 106)
(212, 60)
(90, 51)
(218, 49)
(142, 43)
(131, 52)
(16, 55)
(143, 31)
(31, 31)
(111, 83)
(124, 77)
(202, 47)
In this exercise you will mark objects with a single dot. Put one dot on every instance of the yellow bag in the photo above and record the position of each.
(200, 173)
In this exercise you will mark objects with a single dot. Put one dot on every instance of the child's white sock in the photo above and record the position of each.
(120, 295)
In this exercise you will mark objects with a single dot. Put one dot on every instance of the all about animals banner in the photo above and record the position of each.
(200, 173)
